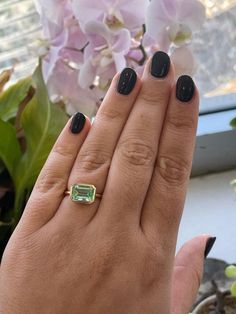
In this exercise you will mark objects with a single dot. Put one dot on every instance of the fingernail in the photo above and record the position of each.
(128, 78)
(77, 123)
(209, 246)
(160, 64)
(185, 88)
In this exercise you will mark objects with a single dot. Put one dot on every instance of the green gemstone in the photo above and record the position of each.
(83, 193)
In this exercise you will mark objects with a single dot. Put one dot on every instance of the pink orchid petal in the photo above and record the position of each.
(54, 55)
(133, 13)
(76, 38)
(63, 85)
(164, 13)
(122, 42)
(184, 61)
(120, 61)
(163, 41)
(52, 14)
(98, 28)
(72, 55)
(191, 13)
(87, 74)
(105, 76)
(148, 40)
(157, 18)
(88, 10)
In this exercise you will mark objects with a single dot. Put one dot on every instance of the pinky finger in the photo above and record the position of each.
(188, 271)
(49, 189)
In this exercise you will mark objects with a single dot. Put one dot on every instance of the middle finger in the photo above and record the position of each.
(134, 158)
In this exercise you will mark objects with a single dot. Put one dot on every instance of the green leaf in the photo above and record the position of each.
(233, 183)
(10, 152)
(11, 98)
(233, 123)
(233, 289)
(42, 122)
(230, 271)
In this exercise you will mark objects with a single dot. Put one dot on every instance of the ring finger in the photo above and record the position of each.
(94, 159)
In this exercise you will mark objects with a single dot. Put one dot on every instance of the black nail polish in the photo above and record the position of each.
(128, 78)
(160, 64)
(185, 88)
(77, 123)
(209, 246)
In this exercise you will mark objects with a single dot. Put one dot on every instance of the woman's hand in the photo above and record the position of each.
(117, 254)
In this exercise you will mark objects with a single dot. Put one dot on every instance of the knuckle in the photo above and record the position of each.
(149, 98)
(93, 160)
(50, 180)
(111, 113)
(175, 171)
(62, 152)
(136, 153)
(182, 123)
(194, 272)
(152, 97)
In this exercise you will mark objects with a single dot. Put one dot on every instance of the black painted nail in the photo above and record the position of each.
(185, 88)
(77, 123)
(209, 246)
(160, 64)
(127, 81)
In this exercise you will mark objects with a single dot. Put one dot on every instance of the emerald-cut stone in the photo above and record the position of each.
(83, 193)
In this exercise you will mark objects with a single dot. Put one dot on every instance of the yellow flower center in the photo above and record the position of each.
(179, 34)
(113, 22)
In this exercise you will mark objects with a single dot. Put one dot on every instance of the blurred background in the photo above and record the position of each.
(214, 47)
(211, 202)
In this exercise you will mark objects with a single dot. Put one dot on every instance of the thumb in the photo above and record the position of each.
(188, 271)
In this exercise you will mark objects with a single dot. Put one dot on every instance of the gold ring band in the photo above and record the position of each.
(83, 193)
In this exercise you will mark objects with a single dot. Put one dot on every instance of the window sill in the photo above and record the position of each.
(216, 143)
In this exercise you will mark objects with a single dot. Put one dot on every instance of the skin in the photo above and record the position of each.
(118, 254)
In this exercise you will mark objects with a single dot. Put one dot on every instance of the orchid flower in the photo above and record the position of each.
(87, 41)
(105, 52)
(52, 14)
(115, 14)
(67, 46)
(174, 20)
(75, 98)
(65, 39)
(171, 23)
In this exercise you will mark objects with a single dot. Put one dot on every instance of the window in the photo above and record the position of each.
(215, 49)
(18, 27)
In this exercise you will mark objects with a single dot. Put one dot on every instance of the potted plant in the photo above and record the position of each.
(222, 302)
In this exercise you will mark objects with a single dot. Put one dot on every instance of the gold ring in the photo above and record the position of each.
(83, 193)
